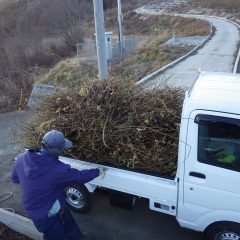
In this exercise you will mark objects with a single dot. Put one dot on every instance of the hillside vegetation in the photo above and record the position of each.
(35, 35)
(150, 56)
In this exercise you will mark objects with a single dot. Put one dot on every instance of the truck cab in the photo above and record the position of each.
(209, 156)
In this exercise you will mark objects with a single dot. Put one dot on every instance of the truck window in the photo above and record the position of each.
(219, 142)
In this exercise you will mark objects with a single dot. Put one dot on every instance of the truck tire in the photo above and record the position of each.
(78, 198)
(223, 231)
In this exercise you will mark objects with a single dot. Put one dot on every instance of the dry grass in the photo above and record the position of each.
(36, 33)
(135, 24)
(70, 75)
(231, 6)
(148, 58)
(40, 33)
(154, 55)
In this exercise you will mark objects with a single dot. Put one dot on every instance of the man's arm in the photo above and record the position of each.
(67, 175)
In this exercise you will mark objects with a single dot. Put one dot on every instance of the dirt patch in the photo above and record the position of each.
(8, 234)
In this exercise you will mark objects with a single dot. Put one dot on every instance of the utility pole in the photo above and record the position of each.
(100, 39)
(27, 12)
(120, 19)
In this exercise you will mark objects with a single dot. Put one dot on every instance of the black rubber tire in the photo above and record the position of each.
(76, 192)
(231, 229)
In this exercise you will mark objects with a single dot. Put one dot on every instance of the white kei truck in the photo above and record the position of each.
(204, 195)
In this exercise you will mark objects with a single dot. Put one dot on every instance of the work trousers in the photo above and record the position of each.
(62, 226)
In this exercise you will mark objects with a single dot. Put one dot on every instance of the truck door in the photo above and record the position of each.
(212, 168)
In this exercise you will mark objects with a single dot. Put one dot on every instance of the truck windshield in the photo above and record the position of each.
(219, 142)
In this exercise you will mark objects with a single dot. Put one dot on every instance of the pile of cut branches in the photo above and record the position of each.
(114, 122)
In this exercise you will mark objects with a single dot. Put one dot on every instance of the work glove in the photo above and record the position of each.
(101, 172)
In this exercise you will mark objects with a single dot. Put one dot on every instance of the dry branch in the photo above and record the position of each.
(113, 122)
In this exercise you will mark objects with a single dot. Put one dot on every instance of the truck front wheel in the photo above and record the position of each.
(223, 231)
(78, 198)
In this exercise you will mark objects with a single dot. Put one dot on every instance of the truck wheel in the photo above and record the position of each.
(223, 231)
(78, 198)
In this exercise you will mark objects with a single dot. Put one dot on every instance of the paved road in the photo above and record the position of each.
(218, 55)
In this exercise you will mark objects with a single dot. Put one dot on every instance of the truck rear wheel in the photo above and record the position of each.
(78, 198)
(223, 231)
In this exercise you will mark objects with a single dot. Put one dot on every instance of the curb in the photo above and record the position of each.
(19, 224)
(179, 59)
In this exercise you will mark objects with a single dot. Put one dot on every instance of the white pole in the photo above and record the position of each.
(100, 39)
(120, 19)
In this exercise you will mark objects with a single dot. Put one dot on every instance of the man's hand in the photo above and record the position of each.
(101, 172)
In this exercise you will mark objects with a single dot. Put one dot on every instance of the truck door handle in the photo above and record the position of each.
(198, 175)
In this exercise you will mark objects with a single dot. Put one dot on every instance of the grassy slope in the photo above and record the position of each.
(35, 35)
(150, 57)
(70, 74)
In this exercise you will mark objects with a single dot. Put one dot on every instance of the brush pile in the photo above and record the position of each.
(116, 123)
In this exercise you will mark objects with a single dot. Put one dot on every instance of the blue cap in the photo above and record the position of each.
(56, 140)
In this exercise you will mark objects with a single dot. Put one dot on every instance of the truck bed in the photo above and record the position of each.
(161, 192)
